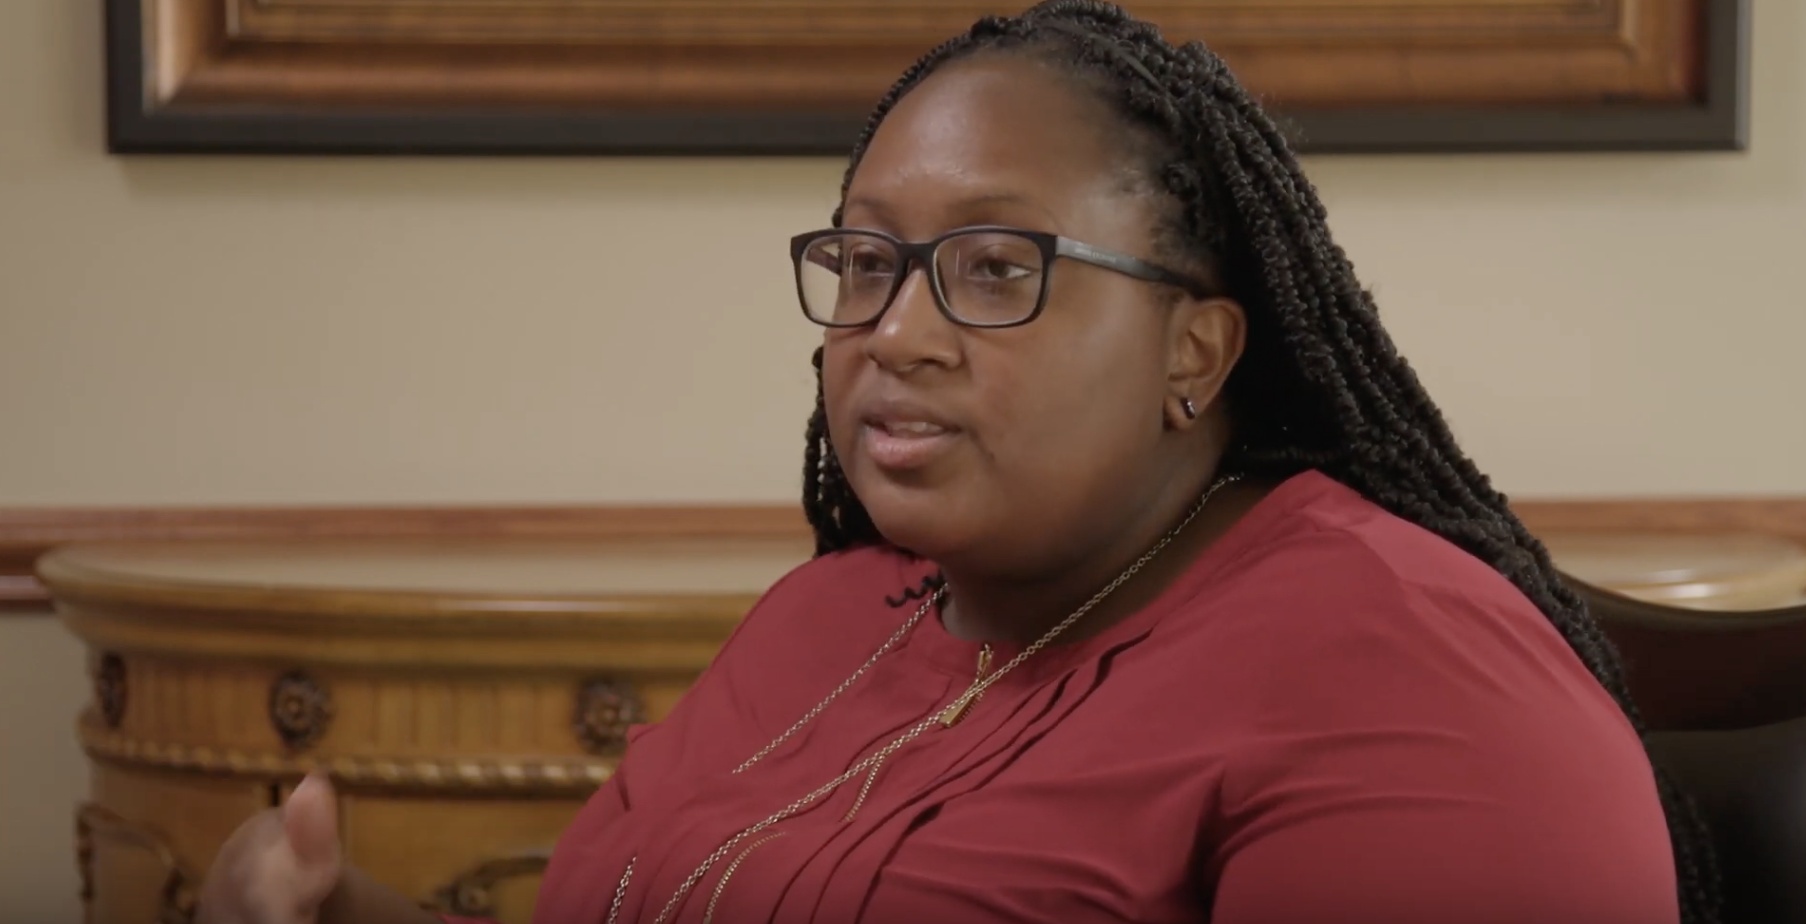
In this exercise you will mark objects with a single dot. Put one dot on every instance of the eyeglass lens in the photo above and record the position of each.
(984, 277)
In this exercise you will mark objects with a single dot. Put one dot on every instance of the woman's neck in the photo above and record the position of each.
(1020, 610)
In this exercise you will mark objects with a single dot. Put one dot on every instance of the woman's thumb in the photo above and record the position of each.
(311, 821)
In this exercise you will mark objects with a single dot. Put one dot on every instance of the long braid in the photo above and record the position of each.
(836, 515)
(1331, 390)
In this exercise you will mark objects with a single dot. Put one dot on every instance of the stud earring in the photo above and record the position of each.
(1190, 410)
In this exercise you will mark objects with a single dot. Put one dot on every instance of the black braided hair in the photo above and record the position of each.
(1320, 385)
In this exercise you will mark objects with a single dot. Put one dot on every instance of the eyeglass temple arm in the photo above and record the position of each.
(1127, 265)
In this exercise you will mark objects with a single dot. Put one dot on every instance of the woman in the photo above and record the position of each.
(1152, 587)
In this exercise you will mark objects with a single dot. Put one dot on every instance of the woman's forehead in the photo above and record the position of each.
(999, 133)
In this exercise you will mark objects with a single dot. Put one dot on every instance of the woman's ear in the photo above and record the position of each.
(1206, 337)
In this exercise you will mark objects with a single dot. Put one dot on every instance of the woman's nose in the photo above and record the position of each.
(913, 332)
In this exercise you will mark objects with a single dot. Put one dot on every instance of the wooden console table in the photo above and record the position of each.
(466, 697)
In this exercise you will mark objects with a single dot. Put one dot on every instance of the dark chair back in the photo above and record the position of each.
(1724, 695)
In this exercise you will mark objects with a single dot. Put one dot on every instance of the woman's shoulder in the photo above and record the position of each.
(1320, 520)
(1319, 547)
(848, 596)
(806, 633)
(1336, 594)
(1377, 695)
(861, 577)
(872, 570)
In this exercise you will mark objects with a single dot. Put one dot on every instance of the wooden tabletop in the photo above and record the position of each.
(403, 579)
(640, 604)
(374, 578)
(1708, 572)
(565, 568)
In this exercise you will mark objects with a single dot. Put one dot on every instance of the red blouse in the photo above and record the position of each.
(1333, 716)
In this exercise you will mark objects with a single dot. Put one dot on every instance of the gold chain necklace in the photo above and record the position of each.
(946, 716)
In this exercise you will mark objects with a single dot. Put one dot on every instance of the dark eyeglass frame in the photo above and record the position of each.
(922, 253)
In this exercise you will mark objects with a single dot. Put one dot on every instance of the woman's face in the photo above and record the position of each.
(1014, 449)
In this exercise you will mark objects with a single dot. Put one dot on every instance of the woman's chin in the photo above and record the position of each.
(929, 528)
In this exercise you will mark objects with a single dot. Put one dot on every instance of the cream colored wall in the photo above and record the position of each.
(42, 774)
(236, 330)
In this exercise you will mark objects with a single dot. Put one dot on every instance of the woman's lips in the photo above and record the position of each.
(899, 444)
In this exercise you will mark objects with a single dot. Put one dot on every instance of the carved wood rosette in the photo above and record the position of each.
(300, 710)
(606, 709)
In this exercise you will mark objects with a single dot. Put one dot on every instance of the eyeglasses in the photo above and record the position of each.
(980, 276)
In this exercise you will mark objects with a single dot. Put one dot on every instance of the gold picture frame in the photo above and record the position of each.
(798, 76)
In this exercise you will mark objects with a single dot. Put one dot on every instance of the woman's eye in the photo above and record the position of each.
(868, 263)
(993, 269)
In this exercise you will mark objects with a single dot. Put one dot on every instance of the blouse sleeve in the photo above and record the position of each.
(614, 798)
(653, 754)
(1418, 756)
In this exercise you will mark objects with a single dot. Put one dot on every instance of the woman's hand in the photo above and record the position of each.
(281, 866)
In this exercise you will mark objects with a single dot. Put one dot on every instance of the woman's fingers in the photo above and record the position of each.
(310, 821)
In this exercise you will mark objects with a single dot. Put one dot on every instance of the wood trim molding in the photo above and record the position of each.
(1783, 517)
(27, 533)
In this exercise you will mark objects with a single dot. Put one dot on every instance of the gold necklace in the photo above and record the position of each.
(946, 717)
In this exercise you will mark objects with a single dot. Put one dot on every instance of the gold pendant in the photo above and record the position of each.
(957, 710)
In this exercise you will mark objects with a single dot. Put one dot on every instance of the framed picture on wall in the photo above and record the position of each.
(797, 77)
